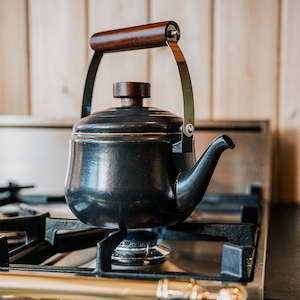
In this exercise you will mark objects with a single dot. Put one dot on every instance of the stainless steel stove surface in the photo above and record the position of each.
(212, 244)
(222, 243)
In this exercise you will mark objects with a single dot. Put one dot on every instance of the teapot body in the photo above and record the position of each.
(123, 180)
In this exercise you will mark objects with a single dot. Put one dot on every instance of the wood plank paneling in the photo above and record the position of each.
(289, 117)
(245, 59)
(232, 49)
(194, 19)
(13, 58)
(58, 57)
(124, 66)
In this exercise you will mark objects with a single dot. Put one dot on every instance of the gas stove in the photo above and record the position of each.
(219, 242)
(219, 251)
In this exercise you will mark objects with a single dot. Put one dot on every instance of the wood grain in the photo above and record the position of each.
(194, 21)
(58, 58)
(126, 66)
(245, 59)
(289, 117)
(232, 49)
(13, 58)
(132, 38)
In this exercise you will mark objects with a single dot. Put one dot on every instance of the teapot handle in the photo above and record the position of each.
(142, 37)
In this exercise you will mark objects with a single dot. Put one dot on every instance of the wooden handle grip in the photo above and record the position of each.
(138, 37)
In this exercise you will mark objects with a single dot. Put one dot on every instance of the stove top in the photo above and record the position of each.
(219, 242)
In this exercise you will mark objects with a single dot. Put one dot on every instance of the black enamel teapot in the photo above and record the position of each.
(134, 166)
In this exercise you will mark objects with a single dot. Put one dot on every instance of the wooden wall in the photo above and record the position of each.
(244, 59)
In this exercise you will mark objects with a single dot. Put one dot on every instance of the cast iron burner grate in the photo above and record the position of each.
(46, 236)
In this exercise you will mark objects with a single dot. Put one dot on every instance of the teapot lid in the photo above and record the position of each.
(132, 116)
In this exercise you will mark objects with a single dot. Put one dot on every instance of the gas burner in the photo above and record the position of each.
(140, 248)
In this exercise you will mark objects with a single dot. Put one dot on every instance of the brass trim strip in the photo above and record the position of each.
(61, 286)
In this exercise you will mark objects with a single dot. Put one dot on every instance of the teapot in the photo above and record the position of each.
(134, 166)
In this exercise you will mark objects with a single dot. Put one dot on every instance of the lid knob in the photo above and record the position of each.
(131, 93)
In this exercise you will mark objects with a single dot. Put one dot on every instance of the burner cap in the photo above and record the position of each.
(140, 248)
(139, 239)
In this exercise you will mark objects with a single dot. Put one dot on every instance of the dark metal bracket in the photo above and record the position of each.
(33, 226)
(105, 249)
(238, 234)
(236, 261)
(4, 257)
(55, 224)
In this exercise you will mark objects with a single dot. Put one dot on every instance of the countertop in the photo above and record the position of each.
(283, 254)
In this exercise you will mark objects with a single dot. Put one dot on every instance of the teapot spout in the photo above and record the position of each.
(192, 184)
